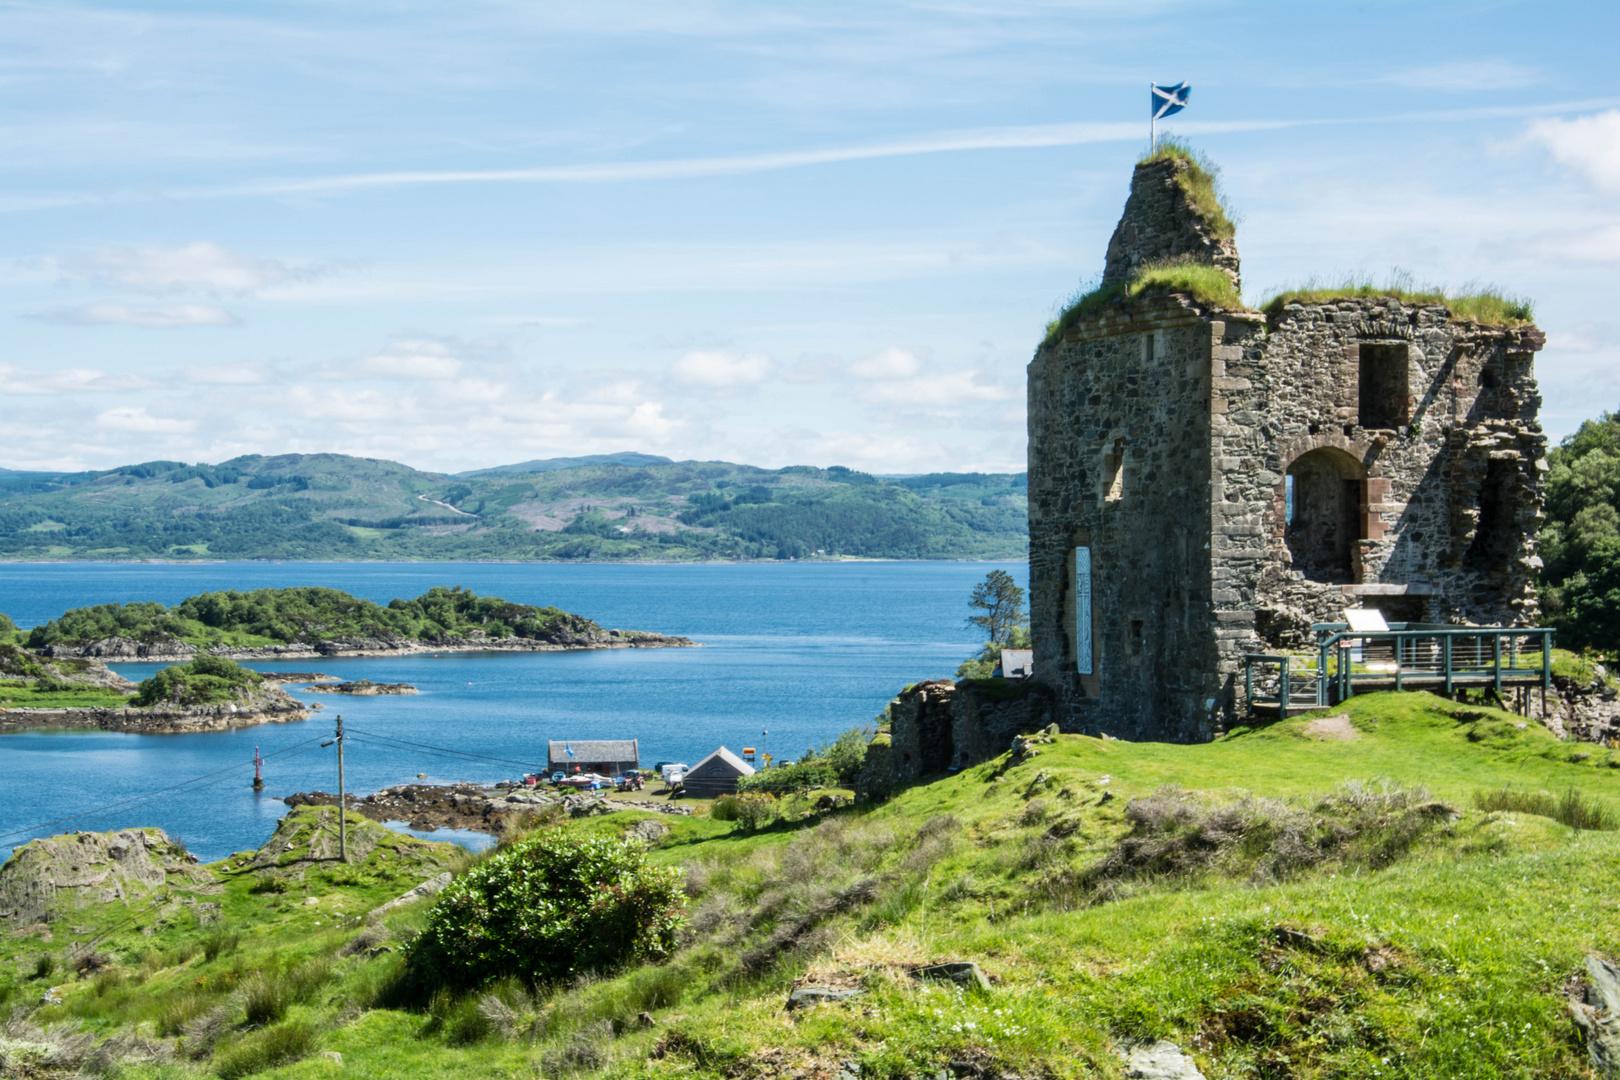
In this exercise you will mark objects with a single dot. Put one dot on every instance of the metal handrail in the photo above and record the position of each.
(1468, 654)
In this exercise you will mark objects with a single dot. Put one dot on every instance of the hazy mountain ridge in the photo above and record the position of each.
(332, 506)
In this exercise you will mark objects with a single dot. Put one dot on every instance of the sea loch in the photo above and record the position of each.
(799, 650)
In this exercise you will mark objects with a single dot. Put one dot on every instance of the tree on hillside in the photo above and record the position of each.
(1004, 623)
(1002, 602)
(1580, 544)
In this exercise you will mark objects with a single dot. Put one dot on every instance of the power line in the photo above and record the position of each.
(443, 749)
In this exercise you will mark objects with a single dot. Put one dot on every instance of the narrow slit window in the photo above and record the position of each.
(1114, 472)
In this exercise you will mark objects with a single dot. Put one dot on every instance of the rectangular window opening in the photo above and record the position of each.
(1136, 637)
(1384, 392)
(1114, 472)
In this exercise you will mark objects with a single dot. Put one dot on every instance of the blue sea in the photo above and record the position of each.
(792, 654)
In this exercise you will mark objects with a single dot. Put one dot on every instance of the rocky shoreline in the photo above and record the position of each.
(495, 810)
(175, 651)
(361, 688)
(158, 720)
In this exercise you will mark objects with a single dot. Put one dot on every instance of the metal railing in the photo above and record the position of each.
(1406, 656)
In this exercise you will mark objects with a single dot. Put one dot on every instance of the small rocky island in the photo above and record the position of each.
(361, 688)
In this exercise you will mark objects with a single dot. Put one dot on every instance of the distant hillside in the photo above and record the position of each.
(557, 463)
(329, 506)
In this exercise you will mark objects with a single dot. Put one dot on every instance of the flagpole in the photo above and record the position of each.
(1153, 120)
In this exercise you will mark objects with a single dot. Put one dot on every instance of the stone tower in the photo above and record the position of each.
(1207, 482)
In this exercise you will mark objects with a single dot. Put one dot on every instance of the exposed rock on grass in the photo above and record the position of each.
(52, 878)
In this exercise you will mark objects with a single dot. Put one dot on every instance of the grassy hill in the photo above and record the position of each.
(1305, 900)
(328, 506)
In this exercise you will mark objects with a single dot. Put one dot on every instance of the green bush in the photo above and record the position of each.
(546, 908)
(790, 778)
(750, 809)
(203, 681)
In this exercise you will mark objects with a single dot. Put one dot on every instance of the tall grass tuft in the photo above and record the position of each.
(1480, 304)
(220, 942)
(1206, 284)
(265, 1050)
(1571, 808)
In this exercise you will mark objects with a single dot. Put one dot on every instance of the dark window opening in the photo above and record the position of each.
(1496, 536)
(1323, 513)
(1488, 378)
(1384, 391)
(1136, 637)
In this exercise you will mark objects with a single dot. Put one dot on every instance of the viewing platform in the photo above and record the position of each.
(1406, 656)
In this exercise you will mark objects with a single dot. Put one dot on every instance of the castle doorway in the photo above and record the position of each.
(1324, 500)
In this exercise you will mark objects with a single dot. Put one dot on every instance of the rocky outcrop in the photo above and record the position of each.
(1587, 712)
(467, 806)
(587, 636)
(262, 704)
(361, 688)
(47, 879)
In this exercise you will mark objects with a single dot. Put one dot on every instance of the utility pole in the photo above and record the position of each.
(343, 810)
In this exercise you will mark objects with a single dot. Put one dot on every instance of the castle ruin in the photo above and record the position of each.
(1206, 482)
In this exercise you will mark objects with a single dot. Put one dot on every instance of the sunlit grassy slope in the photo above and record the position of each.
(1328, 931)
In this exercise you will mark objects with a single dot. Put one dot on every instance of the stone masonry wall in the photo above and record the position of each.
(939, 725)
(1159, 224)
(1119, 463)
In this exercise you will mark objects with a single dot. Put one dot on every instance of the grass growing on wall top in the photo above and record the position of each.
(1206, 284)
(1200, 181)
(1482, 305)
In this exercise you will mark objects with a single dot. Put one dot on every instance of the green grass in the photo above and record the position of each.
(1199, 180)
(1481, 305)
(1208, 285)
(17, 694)
(1442, 955)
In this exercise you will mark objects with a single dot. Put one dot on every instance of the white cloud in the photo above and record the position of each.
(1587, 144)
(167, 316)
(243, 374)
(412, 358)
(1467, 76)
(1585, 337)
(16, 380)
(888, 364)
(130, 418)
(201, 265)
(721, 369)
(951, 388)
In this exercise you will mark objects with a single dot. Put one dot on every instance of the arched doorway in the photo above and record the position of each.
(1324, 490)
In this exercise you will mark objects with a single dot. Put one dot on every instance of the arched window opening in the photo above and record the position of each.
(1496, 538)
(1323, 507)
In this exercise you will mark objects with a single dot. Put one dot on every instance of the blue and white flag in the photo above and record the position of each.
(568, 748)
(1169, 100)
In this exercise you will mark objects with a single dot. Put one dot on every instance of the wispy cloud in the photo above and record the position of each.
(719, 369)
(1467, 76)
(16, 380)
(1588, 144)
(201, 265)
(166, 317)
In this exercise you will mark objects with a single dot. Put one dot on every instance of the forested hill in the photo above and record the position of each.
(329, 506)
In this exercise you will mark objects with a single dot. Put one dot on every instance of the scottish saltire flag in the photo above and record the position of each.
(568, 748)
(1169, 100)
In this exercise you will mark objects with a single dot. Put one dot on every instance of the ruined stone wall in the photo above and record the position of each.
(1159, 224)
(939, 725)
(1466, 438)
(1119, 464)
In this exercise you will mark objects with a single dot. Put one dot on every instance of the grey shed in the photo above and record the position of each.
(716, 775)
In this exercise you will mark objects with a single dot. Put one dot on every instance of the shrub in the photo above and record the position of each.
(549, 907)
(45, 966)
(750, 809)
(790, 778)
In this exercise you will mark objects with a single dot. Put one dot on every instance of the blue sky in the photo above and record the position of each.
(465, 234)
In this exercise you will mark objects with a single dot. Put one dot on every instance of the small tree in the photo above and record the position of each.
(1002, 602)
